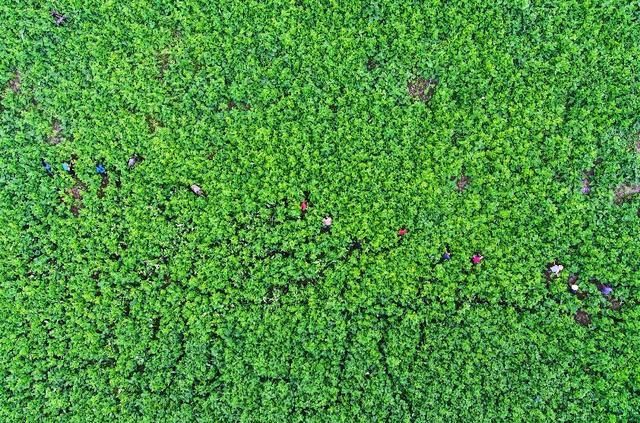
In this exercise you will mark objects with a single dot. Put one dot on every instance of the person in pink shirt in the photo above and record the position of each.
(326, 224)
(477, 258)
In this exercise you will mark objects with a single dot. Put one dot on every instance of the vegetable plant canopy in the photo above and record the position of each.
(319, 211)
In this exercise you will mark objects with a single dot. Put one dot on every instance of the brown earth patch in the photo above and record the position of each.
(15, 82)
(615, 304)
(56, 132)
(462, 182)
(103, 184)
(625, 192)
(422, 89)
(163, 62)
(582, 318)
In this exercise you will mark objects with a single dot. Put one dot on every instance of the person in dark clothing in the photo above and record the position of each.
(355, 245)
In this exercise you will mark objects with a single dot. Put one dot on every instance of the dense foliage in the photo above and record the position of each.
(506, 129)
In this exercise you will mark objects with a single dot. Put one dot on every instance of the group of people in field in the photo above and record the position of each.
(327, 221)
(553, 270)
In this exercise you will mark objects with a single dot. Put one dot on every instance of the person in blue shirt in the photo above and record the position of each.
(446, 256)
(47, 167)
(605, 290)
(69, 165)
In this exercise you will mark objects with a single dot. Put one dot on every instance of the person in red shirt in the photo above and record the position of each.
(304, 204)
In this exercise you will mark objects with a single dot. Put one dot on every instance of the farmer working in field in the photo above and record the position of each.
(326, 223)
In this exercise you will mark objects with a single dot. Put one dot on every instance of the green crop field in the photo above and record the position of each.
(319, 211)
